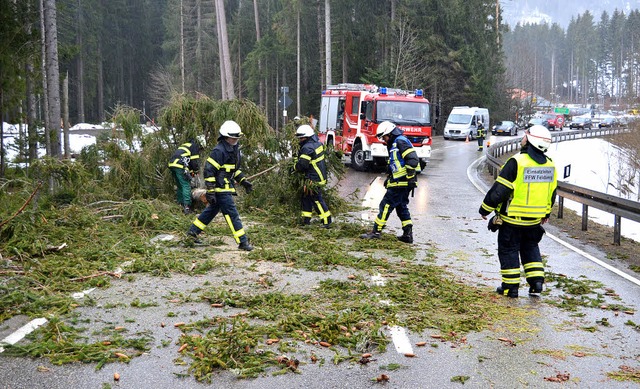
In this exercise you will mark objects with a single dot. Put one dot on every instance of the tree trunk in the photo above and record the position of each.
(43, 68)
(261, 98)
(327, 39)
(223, 80)
(225, 58)
(80, 66)
(53, 75)
(65, 115)
(182, 44)
(31, 115)
(199, 64)
(100, 77)
(1, 133)
(298, 62)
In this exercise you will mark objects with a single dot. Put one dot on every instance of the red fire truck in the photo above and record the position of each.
(350, 114)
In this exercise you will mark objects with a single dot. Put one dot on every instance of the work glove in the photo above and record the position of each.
(494, 224)
(413, 182)
(188, 175)
(386, 182)
(248, 186)
(211, 198)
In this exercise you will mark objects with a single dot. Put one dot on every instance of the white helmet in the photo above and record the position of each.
(539, 137)
(385, 128)
(304, 131)
(202, 141)
(230, 129)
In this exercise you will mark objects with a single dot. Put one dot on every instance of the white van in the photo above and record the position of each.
(463, 122)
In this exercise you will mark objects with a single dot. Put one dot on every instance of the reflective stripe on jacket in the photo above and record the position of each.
(222, 168)
(533, 191)
(187, 157)
(311, 161)
(403, 162)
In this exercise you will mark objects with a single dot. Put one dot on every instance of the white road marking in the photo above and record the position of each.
(595, 260)
(400, 340)
(22, 332)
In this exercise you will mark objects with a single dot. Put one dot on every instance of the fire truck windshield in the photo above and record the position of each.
(403, 112)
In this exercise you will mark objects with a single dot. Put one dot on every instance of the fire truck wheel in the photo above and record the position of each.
(357, 158)
(422, 166)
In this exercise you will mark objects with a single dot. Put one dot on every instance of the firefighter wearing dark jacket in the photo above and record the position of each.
(403, 167)
(221, 172)
(185, 164)
(481, 135)
(311, 162)
(522, 197)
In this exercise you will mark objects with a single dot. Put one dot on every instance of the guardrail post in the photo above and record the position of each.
(585, 216)
(560, 207)
(617, 228)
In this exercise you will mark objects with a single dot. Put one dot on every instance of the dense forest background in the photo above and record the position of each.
(140, 53)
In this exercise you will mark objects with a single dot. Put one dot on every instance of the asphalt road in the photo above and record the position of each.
(445, 215)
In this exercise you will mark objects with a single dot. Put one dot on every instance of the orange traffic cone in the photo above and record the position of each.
(467, 140)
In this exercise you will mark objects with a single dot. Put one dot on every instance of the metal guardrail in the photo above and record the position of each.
(617, 206)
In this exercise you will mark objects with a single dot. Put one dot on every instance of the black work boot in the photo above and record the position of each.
(371, 235)
(194, 235)
(535, 288)
(407, 234)
(508, 290)
(246, 246)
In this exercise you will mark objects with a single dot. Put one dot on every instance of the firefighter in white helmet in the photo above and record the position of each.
(403, 165)
(522, 197)
(481, 135)
(311, 162)
(221, 173)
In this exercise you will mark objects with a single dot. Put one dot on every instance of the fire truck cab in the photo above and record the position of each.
(351, 113)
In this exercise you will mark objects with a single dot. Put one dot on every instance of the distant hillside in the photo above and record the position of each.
(561, 12)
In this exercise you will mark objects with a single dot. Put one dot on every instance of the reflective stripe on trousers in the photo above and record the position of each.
(227, 206)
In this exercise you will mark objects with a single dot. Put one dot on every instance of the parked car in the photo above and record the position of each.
(555, 121)
(608, 122)
(581, 123)
(542, 122)
(505, 127)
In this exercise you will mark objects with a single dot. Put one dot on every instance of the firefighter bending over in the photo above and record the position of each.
(184, 165)
(221, 172)
(522, 197)
(401, 181)
(311, 162)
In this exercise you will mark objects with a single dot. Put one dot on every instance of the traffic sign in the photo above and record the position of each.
(561, 110)
(284, 102)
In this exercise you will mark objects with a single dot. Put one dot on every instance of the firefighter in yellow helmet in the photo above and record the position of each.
(221, 173)
(522, 197)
